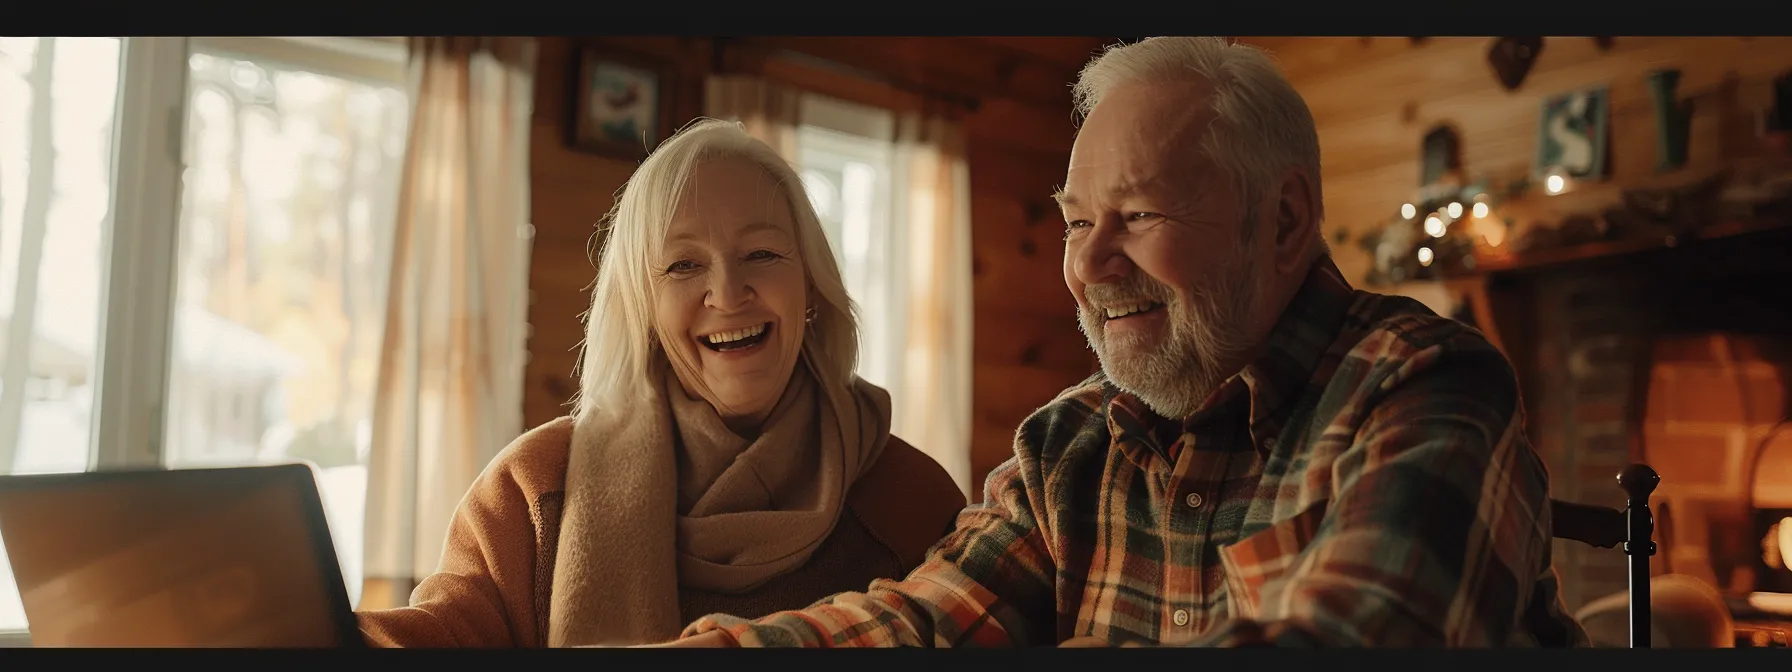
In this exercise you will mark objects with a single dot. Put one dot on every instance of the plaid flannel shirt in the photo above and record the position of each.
(1365, 481)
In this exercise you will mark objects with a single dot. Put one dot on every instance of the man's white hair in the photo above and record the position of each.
(1263, 125)
(619, 329)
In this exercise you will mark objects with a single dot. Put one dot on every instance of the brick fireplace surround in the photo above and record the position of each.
(1679, 358)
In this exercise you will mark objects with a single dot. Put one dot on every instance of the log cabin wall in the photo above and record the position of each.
(1027, 347)
(1576, 331)
(1374, 98)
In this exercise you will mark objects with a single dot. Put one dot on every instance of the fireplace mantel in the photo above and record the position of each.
(1487, 290)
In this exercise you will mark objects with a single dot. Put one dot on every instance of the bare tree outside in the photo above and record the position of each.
(57, 106)
(19, 331)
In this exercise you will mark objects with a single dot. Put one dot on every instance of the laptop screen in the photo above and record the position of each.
(195, 558)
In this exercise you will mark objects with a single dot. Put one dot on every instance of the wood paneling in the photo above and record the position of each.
(969, 67)
(1374, 98)
(1065, 52)
(1027, 347)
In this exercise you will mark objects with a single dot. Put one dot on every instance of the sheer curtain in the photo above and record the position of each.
(932, 410)
(449, 392)
(929, 213)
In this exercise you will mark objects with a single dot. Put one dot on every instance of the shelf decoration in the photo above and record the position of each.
(1673, 120)
(1452, 232)
(1449, 225)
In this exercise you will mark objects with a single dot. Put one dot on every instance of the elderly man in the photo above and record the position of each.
(1266, 457)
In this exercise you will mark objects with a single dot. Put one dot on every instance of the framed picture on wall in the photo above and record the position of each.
(621, 102)
(1572, 133)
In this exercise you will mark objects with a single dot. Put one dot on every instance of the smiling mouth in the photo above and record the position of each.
(737, 339)
(1125, 310)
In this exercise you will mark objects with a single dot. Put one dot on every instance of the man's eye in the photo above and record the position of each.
(1142, 215)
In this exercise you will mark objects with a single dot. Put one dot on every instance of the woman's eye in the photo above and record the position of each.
(682, 266)
(763, 255)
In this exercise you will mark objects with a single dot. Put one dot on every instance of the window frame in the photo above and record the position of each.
(141, 233)
(143, 236)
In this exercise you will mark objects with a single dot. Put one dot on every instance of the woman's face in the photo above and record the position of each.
(730, 293)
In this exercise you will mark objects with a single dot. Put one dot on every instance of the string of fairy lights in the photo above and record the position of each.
(1452, 228)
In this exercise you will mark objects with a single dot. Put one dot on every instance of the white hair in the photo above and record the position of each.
(619, 329)
(1263, 126)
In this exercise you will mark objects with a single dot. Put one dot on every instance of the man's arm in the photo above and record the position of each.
(988, 583)
(1438, 526)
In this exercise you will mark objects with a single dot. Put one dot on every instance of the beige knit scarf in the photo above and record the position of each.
(661, 494)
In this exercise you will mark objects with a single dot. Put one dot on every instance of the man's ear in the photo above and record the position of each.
(1296, 223)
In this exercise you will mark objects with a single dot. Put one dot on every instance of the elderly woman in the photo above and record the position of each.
(722, 456)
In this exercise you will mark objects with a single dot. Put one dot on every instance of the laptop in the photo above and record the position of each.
(233, 557)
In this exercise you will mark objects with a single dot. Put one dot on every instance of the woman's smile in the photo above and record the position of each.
(733, 343)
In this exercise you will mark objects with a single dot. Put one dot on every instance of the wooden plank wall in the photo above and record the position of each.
(1374, 98)
(1027, 347)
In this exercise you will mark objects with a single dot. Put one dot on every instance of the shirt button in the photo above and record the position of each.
(1194, 500)
(1180, 618)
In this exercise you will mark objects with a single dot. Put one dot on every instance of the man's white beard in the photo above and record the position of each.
(1207, 336)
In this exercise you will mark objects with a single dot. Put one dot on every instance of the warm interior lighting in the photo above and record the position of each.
(1491, 230)
(1425, 256)
(1455, 210)
(1409, 211)
(1785, 539)
(1773, 603)
(1480, 210)
(1494, 236)
(1434, 226)
(1554, 184)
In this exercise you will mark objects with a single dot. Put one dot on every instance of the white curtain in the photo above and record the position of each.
(932, 404)
(449, 392)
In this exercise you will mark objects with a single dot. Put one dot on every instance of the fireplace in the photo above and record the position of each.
(1680, 357)
(1714, 416)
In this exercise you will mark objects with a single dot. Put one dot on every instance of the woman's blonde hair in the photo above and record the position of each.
(615, 359)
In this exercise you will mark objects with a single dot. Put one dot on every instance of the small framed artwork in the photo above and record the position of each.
(621, 103)
(1572, 134)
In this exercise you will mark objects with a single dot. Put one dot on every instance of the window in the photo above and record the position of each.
(285, 222)
(847, 156)
(204, 284)
(57, 105)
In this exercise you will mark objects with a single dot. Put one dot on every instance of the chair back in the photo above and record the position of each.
(1633, 529)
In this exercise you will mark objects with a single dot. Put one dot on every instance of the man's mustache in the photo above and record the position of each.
(1135, 288)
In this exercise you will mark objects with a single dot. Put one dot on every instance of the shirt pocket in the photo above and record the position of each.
(1267, 555)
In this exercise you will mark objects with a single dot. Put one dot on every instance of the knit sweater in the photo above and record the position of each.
(492, 587)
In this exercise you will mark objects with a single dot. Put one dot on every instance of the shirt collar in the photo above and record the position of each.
(1280, 372)
(1292, 353)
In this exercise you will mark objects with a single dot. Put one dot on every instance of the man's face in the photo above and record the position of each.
(1158, 252)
